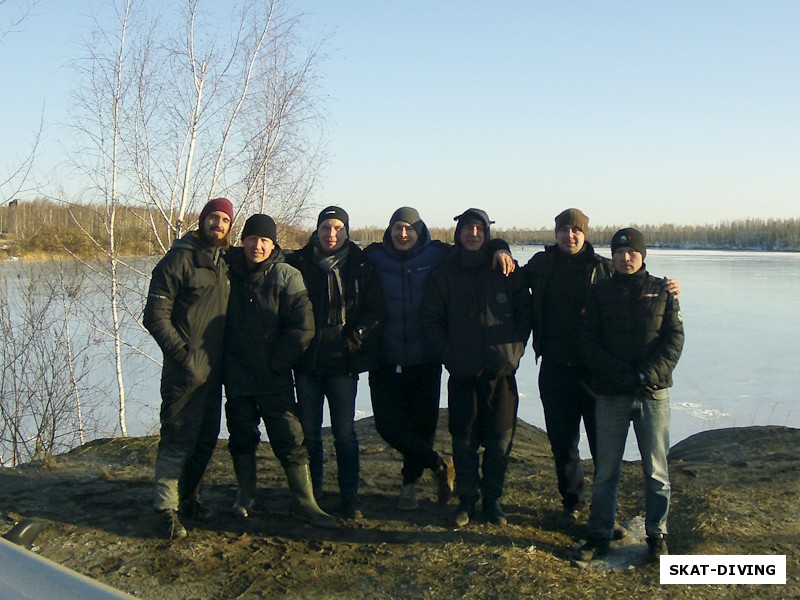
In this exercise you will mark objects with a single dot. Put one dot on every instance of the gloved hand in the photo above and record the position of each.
(352, 339)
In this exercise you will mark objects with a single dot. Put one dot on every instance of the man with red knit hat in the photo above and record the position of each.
(185, 313)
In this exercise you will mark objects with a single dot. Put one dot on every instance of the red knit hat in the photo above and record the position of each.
(216, 205)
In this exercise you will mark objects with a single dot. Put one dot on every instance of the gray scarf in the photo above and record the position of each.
(331, 264)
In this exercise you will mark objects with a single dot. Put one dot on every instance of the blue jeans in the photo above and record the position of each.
(340, 390)
(650, 416)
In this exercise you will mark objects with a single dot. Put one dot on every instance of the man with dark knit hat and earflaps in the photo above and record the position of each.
(348, 312)
(478, 321)
(185, 313)
(560, 277)
(270, 324)
(632, 333)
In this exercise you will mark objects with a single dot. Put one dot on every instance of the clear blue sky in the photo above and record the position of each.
(636, 112)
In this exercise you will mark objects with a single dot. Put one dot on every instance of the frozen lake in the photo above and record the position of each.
(738, 368)
(739, 365)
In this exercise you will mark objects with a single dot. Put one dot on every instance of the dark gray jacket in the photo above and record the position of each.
(185, 313)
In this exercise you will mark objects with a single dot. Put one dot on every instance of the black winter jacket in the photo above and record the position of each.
(270, 324)
(185, 313)
(539, 271)
(631, 326)
(476, 318)
(353, 346)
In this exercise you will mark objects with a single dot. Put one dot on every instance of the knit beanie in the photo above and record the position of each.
(629, 238)
(334, 212)
(216, 205)
(472, 215)
(261, 226)
(572, 217)
(408, 215)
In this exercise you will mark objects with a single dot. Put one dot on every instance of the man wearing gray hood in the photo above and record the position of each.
(478, 323)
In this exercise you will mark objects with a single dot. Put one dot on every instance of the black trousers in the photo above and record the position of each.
(278, 410)
(483, 412)
(566, 401)
(406, 409)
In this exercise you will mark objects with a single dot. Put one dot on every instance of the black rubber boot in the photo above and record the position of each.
(244, 465)
(304, 506)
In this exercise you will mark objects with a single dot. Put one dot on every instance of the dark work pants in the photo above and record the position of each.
(566, 401)
(189, 431)
(406, 409)
(278, 410)
(483, 412)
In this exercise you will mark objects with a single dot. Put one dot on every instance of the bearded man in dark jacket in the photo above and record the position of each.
(185, 313)
(270, 324)
(632, 332)
(348, 311)
(478, 322)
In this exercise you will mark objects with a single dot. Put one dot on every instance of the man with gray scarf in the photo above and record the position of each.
(348, 311)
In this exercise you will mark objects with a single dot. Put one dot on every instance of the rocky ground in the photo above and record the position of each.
(735, 491)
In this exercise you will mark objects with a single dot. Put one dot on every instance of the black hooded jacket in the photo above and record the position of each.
(476, 318)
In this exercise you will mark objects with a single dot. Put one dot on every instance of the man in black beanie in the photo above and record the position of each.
(478, 321)
(632, 331)
(269, 325)
(348, 312)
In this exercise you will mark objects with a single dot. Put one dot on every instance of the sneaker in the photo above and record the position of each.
(656, 547)
(445, 480)
(192, 509)
(592, 549)
(351, 507)
(172, 525)
(619, 532)
(567, 518)
(493, 513)
(464, 512)
(408, 497)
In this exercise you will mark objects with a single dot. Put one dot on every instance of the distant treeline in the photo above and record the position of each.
(779, 235)
(46, 227)
(43, 227)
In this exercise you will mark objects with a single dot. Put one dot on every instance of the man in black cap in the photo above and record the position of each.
(185, 313)
(559, 278)
(348, 311)
(478, 321)
(270, 324)
(632, 331)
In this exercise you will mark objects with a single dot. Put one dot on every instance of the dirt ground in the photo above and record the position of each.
(735, 491)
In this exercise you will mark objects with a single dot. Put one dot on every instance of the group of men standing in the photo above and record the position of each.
(271, 323)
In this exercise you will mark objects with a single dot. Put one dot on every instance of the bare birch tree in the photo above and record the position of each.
(47, 401)
(174, 108)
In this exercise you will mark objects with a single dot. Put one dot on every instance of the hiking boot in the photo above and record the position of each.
(567, 518)
(351, 507)
(192, 509)
(464, 512)
(445, 480)
(171, 524)
(408, 497)
(619, 532)
(656, 547)
(493, 513)
(592, 549)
